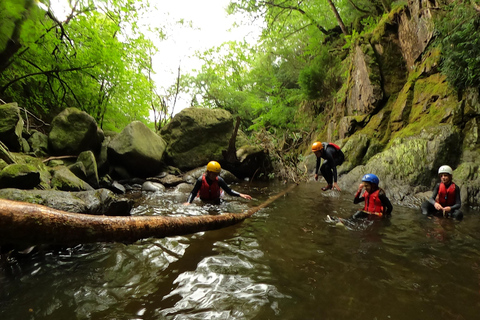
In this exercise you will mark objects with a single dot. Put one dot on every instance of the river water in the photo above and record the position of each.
(286, 262)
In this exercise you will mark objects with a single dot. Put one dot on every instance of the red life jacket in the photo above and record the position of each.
(446, 196)
(209, 192)
(373, 204)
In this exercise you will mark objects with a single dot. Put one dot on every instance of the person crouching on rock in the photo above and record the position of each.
(377, 204)
(445, 200)
(332, 157)
(210, 185)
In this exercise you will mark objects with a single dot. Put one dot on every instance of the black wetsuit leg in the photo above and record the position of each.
(429, 209)
(327, 172)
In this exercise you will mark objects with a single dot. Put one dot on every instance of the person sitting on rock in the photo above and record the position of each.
(210, 185)
(377, 204)
(445, 200)
(332, 157)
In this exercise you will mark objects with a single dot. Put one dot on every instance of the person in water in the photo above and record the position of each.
(332, 157)
(445, 200)
(209, 184)
(376, 202)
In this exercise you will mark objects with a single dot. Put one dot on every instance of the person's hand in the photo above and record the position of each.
(438, 206)
(360, 187)
(316, 177)
(335, 186)
(245, 196)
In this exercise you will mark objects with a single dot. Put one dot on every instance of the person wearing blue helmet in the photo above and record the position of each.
(376, 202)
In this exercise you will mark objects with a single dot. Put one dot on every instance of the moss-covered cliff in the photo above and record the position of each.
(398, 117)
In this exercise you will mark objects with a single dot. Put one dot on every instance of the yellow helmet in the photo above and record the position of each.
(214, 166)
(317, 146)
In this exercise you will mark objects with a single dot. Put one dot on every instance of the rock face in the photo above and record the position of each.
(138, 149)
(197, 136)
(74, 131)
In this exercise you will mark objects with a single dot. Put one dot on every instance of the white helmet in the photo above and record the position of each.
(445, 169)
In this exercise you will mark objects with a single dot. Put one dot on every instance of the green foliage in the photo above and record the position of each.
(320, 78)
(94, 60)
(459, 36)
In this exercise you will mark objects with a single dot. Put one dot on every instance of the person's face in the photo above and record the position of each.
(212, 175)
(368, 186)
(318, 153)
(445, 178)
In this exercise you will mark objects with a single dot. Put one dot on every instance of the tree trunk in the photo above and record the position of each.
(337, 16)
(24, 223)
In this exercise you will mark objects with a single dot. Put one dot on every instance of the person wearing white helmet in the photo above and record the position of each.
(445, 200)
(208, 187)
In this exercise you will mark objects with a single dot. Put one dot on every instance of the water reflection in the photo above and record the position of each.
(286, 262)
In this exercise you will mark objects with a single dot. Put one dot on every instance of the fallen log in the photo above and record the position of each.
(24, 223)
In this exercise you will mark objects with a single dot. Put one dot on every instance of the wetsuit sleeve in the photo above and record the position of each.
(386, 203)
(357, 198)
(458, 200)
(329, 153)
(226, 188)
(432, 200)
(195, 190)
(319, 159)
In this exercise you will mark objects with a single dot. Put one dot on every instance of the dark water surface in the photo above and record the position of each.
(286, 262)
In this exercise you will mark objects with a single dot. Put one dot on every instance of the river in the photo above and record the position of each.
(286, 262)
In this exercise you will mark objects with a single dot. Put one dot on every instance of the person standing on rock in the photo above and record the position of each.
(332, 157)
(210, 185)
(445, 200)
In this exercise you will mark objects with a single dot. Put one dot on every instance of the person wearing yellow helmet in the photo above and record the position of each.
(208, 187)
(332, 157)
(445, 200)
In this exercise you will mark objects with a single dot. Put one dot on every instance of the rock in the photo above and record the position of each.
(98, 202)
(196, 136)
(63, 179)
(74, 131)
(138, 149)
(21, 176)
(153, 186)
(11, 126)
(38, 143)
(87, 158)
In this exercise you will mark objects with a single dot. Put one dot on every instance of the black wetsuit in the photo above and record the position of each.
(385, 203)
(221, 183)
(331, 159)
(428, 207)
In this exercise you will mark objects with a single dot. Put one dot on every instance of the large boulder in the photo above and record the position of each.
(196, 136)
(11, 126)
(22, 176)
(74, 131)
(137, 149)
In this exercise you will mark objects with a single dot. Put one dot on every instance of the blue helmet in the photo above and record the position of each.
(369, 177)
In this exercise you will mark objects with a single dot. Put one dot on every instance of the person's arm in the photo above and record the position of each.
(433, 199)
(385, 203)
(231, 192)
(357, 198)
(194, 192)
(317, 166)
(458, 200)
